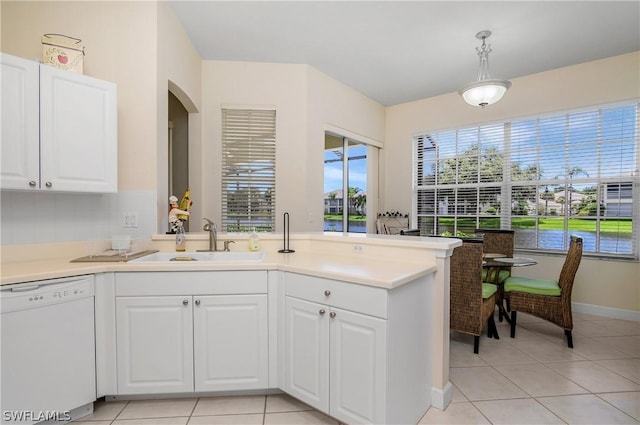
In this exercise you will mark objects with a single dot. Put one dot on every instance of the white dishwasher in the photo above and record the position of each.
(48, 350)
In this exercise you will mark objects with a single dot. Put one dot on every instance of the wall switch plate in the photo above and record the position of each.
(130, 219)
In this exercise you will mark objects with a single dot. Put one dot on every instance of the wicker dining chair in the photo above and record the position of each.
(547, 299)
(472, 302)
(497, 241)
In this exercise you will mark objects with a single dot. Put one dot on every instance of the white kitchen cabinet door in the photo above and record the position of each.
(78, 132)
(230, 342)
(20, 124)
(358, 367)
(306, 374)
(154, 344)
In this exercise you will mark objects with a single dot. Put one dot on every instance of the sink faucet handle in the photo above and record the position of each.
(226, 245)
(209, 225)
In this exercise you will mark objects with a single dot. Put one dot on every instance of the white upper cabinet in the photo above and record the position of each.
(59, 129)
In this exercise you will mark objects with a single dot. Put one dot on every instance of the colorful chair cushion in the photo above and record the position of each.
(488, 289)
(532, 286)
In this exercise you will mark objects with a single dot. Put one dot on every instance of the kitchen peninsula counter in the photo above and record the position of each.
(318, 255)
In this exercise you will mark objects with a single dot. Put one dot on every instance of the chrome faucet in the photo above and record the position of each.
(210, 227)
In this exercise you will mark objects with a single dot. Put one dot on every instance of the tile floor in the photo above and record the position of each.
(532, 379)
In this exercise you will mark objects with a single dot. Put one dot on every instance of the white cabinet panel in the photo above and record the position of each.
(77, 132)
(358, 367)
(230, 342)
(307, 352)
(20, 127)
(154, 349)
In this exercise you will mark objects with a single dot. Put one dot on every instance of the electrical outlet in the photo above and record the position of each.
(357, 249)
(130, 219)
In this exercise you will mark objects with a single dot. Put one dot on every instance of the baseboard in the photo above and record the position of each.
(610, 312)
(440, 398)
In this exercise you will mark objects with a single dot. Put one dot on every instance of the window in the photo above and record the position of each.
(341, 215)
(248, 170)
(546, 177)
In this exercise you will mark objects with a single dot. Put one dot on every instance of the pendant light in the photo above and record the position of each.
(485, 91)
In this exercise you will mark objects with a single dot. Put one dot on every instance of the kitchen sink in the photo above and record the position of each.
(218, 256)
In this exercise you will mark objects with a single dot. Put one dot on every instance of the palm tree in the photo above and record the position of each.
(547, 196)
(571, 172)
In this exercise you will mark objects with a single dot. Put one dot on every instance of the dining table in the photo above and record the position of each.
(494, 263)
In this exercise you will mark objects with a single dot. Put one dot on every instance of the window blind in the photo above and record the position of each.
(248, 169)
(546, 177)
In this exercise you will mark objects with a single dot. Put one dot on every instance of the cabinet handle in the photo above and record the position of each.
(48, 184)
(197, 302)
(327, 293)
(185, 302)
(332, 314)
(32, 183)
(322, 312)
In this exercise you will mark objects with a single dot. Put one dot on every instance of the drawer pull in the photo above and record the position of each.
(322, 312)
(197, 302)
(185, 302)
(327, 293)
(332, 314)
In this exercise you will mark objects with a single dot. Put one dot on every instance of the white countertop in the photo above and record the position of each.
(387, 274)
(388, 271)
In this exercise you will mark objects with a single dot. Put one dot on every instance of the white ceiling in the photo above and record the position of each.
(399, 51)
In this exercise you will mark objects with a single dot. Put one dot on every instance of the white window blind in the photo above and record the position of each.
(248, 169)
(546, 177)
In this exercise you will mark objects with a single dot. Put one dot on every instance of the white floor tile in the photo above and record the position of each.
(484, 383)
(252, 419)
(629, 368)
(455, 413)
(629, 403)
(594, 377)
(298, 418)
(538, 380)
(585, 409)
(517, 412)
(285, 403)
(229, 405)
(160, 408)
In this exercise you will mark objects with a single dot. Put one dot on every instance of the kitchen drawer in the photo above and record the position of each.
(349, 296)
(191, 283)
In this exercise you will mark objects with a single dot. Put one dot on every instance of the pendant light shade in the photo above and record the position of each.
(485, 91)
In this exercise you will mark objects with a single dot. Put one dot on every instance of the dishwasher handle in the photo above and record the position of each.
(25, 288)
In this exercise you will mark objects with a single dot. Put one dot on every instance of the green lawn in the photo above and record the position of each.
(352, 217)
(619, 226)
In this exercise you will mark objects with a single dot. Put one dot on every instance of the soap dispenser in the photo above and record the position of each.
(181, 239)
(254, 240)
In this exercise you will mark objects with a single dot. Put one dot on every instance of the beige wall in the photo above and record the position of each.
(614, 284)
(333, 103)
(257, 85)
(305, 100)
(605, 81)
(179, 70)
(120, 40)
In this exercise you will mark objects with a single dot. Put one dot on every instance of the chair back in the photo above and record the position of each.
(466, 285)
(497, 241)
(570, 266)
